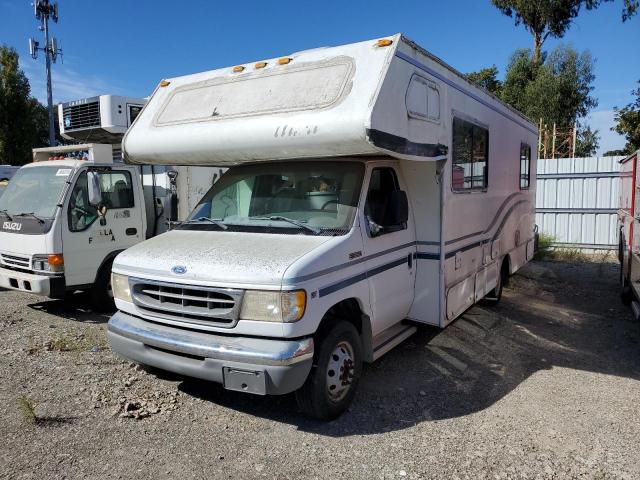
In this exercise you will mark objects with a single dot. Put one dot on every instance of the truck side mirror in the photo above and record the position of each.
(93, 186)
(398, 208)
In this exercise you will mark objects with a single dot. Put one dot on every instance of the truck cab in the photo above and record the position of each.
(63, 219)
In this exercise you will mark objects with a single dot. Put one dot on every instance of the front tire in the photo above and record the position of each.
(337, 367)
(101, 292)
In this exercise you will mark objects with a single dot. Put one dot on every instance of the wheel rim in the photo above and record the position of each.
(340, 371)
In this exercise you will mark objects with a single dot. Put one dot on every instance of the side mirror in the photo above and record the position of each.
(93, 186)
(398, 208)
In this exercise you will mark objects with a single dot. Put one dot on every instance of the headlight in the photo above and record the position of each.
(49, 263)
(269, 306)
(120, 287)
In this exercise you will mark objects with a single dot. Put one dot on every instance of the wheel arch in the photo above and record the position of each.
(351, 310)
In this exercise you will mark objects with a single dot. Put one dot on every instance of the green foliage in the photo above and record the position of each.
(23, 120)
(614, 153)
(545, 18)
(27, 409)
(487, 79)
(628, 123)
(587, 142)
(558, 90)
(545, 246)
(630, 9)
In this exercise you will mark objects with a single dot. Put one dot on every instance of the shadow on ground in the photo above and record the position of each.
(553, 314)
(76, 306)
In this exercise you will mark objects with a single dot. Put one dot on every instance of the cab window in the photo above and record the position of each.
(80, 214)
(117, 193)
(378, 208)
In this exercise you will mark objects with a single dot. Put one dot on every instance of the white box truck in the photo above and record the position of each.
(371, 188)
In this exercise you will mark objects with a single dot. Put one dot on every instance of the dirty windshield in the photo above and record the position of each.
(35, 190)
(309, 197)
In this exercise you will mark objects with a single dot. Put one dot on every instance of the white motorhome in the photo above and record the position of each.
(629, 232)
(371, 188)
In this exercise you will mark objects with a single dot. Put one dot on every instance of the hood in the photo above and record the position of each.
(217, 257)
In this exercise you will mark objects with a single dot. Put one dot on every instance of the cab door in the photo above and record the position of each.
(391, 244)
(88, 239)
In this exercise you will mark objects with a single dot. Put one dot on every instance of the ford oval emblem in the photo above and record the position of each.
(179, 269)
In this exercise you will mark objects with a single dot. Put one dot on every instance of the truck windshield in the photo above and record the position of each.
(34, 190)
(310, 197)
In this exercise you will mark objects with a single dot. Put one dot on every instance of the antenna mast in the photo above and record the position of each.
(43, 10)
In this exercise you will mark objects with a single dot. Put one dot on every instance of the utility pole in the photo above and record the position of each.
(43, 10)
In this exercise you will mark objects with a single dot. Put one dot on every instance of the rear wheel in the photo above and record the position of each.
(494, 296)
(331, 384)
(101, 292)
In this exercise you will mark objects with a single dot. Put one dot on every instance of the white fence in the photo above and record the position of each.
(577, 201)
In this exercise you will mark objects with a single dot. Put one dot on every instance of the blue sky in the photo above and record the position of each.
(127, 46)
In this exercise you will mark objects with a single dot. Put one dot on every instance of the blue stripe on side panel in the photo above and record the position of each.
(452, 84)
(360, 277)
(428, 256)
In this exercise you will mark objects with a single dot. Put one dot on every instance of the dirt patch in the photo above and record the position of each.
(545, 385)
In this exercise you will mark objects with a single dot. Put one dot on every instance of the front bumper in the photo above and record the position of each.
(47, 286)
(254, 365)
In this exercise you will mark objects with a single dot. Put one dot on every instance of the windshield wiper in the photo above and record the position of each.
(31, 214)
(6, 214)
(216, 221)
(297, 223)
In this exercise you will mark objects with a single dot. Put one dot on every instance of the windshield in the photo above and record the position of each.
(35, 190)
(309, 197)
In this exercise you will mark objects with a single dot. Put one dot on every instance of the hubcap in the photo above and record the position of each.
(340, 371)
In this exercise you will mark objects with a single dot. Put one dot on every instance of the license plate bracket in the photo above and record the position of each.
(249, 381)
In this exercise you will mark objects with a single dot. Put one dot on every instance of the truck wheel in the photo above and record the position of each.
(101, 292)
(625, 289)
(332, 382)
(494, 296)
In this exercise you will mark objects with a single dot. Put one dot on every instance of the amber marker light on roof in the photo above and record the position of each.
(238, 68)
(385, 42)
(261, 64)
(284, 60)
(165, 83)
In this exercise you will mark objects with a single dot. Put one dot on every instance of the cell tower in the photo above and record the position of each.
(45, 10)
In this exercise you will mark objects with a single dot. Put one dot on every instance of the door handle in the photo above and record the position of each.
(410, 261)
(131, 231)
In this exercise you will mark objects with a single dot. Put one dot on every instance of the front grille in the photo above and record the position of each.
(15, 261)
(207, 306)
(86, 115)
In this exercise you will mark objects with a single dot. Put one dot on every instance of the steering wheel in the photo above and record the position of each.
(328, 202)
(82, 210)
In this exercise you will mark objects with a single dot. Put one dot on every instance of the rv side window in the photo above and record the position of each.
(470, 166)
(377, 207)
(525, 165)
(423, 99)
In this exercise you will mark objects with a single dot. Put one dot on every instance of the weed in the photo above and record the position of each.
(27, 409)
(64, 342)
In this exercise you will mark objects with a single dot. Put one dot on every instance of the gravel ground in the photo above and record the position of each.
(545, 385)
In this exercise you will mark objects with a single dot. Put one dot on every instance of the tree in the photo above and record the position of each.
(23, 120)
(557, 91)
(587, 142)
(628, 122)
(486, 78)
(545, 18)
